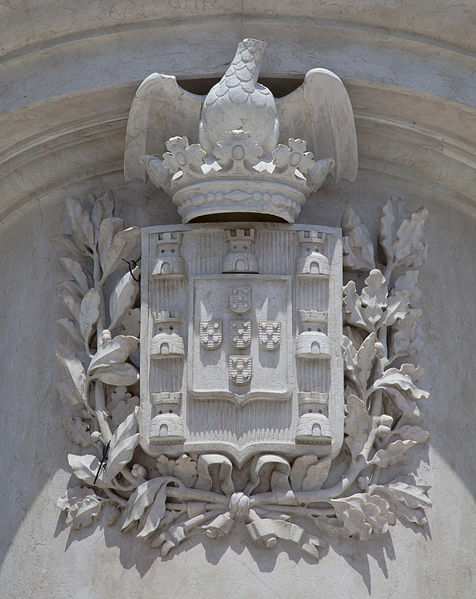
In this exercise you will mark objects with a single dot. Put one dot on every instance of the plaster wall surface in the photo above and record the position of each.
(68, 73)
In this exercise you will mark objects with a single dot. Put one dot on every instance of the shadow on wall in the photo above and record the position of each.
(138, 554)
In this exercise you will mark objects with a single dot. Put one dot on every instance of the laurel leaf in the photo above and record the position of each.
(130, 322)
(76, 271)
(155, 514)
(139, 502)
(122, 297)
(70, 328)
(67, 242)
(80, 224)
(73, 386)
(123, 443)
(103, 207)
(114, 351)
(78, 431)
(108, 228)
(71, 304)
(116, 374)
(89, 313)
(357, 425)
(85, 467)
(124, 245)
(72, 288)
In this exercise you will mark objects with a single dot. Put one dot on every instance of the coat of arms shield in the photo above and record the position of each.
(249, 380)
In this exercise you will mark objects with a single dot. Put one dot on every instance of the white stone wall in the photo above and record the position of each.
(67, 78)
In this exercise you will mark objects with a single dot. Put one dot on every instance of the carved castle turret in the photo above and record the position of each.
(313, 424)
(169, 261)
(167, 425)
(311, 262)
(167, 343)
(312, 341)
(240, 256)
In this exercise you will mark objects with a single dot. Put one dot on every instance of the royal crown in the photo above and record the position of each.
(237, 177)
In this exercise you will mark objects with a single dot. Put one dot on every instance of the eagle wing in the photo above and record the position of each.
(160, 110)
(320, 112)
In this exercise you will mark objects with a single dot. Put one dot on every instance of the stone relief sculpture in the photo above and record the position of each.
(269, 400)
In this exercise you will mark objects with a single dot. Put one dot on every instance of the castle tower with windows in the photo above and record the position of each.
(241, 255)
(311, 262)
(169, 261)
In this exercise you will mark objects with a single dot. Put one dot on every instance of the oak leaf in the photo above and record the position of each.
(408, 501)
(409, 248)
(385, 232)
(362, 513)
(392, 454)
(81, 505)
(402, 378)
(358, 248)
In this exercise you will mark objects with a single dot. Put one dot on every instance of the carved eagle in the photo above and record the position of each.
(318, 111)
